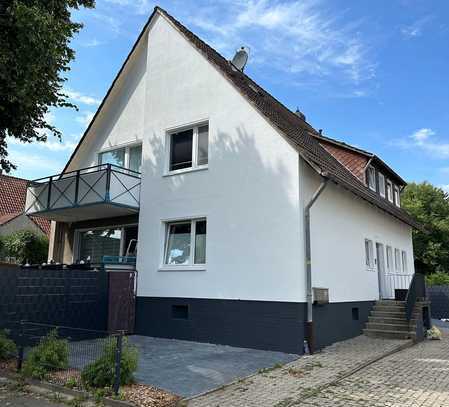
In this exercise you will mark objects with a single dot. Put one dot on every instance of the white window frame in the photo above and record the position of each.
(77, 240)
(404, 262)
(389, 191)
(390, 259)
(397, 260)
(371, 170)
(182, 267)
(195, 167)
(369, 254)
(396, 196)
(382, 186)
(127, 148)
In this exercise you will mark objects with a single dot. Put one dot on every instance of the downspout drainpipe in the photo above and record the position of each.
(308, 259)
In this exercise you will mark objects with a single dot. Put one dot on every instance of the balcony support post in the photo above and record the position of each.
(49, 193)
(108, 182)
(77, 186)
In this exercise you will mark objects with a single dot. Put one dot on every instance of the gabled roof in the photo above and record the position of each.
(297, 131)
(373, 157)
(12, 202)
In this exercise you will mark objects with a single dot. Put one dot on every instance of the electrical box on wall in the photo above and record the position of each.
(320, 295)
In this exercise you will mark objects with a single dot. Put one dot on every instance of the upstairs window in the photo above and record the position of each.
(371, 178)
(189, 148)
(127, 157)
(390, 266)
(369, 254)
(381, 185)
(397, 196)
(389, 190)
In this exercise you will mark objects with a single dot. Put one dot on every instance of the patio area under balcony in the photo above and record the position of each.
(101, 191)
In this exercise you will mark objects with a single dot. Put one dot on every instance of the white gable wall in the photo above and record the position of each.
(340, 222)
(249, 194)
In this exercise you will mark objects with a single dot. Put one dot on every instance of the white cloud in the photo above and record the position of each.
(81, 98)
(85, 118)
(423, 139)
(298, 37)
(27, 161)
(415, 29)
(91, 43)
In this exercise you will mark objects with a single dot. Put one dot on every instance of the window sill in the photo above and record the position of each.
(185, 170)
(182, 268)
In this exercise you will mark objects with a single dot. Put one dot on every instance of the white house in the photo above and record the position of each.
(242, 209)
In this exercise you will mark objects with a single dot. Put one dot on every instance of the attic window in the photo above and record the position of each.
(397, 199)
(381, 185)
(371, 178)
(389, 190)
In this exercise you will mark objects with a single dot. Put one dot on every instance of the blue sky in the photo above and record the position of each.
(371, 73)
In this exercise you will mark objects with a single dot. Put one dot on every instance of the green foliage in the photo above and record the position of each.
(26, 246)
(35, 54)
(100, 374)
(7, 346)
(52, 353)
(430, 206)
(437, 279)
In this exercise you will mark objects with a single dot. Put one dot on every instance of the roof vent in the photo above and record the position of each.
(300, 114)
(241, 58)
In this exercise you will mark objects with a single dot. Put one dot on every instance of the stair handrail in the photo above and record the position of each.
(416, 291)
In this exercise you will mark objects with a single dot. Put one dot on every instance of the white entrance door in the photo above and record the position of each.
(380, 254)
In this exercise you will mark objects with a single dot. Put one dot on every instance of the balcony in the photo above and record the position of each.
(101, 191)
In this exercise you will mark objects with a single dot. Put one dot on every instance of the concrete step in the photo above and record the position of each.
(400, 308)
(387, 314)
(386, 320)
(388, 327)
(379, 333)
(390, 302)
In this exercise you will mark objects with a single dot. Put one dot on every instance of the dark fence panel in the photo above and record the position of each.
(439, 301)
(68, 297)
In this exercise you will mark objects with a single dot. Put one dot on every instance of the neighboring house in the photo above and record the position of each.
(242, 208)
(12, 206)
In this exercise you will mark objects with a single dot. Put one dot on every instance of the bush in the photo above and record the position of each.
(50, 354)
(25, 246)
(437, 279)
(433, 333)
(7, 346)
(101, 373)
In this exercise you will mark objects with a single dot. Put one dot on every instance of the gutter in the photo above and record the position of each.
(308, 260)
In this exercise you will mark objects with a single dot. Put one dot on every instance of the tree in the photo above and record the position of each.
(430, 206)
(26, 247)
(34, 54)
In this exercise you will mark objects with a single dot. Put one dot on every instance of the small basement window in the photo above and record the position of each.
(355, 314)
(371, 178)
(189, 148)
(180, 312)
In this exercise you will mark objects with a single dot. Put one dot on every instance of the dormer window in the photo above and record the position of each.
(381, 185)
(397, 196)
(389, 190)
(371, 178)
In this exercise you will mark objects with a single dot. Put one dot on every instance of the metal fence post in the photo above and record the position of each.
(118, 358)
(21, 347)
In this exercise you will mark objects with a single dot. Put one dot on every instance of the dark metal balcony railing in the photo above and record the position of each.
(97, 185)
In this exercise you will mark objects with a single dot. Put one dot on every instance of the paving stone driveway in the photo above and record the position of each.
(299, 380)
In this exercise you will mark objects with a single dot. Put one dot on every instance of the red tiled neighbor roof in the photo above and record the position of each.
(12, 202)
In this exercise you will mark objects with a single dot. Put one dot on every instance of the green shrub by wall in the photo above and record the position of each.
(25, 246)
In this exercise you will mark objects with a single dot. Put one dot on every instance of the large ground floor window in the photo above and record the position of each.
(113, 241)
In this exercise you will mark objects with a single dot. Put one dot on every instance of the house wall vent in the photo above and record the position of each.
(320, 295)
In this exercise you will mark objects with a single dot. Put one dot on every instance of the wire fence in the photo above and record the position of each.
(72, 357)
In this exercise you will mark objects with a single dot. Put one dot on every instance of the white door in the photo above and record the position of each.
(380, 254)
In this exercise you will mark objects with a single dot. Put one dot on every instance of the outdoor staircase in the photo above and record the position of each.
(388, 320)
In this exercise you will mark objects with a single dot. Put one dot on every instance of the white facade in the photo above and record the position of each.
(252, 193)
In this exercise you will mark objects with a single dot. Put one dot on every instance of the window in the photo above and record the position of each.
(369, 254)
(397, 260)
(371, 177)
(381, 185)
(180, 312)
(355, 314)
(189, 148)
(389, 190)
(390, 259)
(185, 243)
(126, 157)
(396, 196)
(404, 261)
